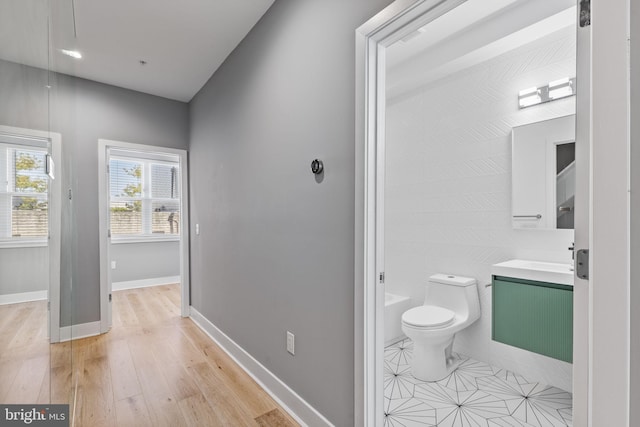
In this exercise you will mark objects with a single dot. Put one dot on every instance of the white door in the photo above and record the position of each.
(581, 226)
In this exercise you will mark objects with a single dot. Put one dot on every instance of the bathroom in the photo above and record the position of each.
(452, 189)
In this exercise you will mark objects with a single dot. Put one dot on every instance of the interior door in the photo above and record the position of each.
(108, 266)
(582, 201)
(104, 214)
(380, 246)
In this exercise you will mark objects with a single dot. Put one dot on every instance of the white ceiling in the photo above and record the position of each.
(183, 42)
(473, 32)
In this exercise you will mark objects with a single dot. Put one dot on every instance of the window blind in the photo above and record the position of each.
(144, 199)
(24, 190)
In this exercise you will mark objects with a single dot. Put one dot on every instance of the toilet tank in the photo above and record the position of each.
(457, 293)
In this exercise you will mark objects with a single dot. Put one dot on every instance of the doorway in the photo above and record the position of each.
(144, 228)
(31, 214)
(30, 234)
(397, 26)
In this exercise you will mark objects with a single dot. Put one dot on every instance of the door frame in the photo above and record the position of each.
(599, 49)
(393, 23)
(609, 234)
(103, 217)
(634, 416)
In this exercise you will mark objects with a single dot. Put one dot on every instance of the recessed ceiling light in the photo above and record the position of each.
(72, 53)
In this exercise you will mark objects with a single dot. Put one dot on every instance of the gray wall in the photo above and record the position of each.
(24, 270)
(83, 111)
(23, 103)
(276, 247)
(139, 261)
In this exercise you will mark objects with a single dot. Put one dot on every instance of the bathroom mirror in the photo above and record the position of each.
(543, 174)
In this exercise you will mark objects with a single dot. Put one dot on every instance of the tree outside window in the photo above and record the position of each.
(29, 201)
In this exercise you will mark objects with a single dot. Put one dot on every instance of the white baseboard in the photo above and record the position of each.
(290, 401)
(83, 330)
(23, 297)
(144, 283)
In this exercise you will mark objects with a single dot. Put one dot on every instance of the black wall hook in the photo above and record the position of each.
(317, 167)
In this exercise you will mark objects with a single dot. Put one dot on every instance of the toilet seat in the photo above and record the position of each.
(428, 316)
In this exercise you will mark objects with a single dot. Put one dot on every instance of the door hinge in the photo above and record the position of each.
(585, 13)
(109, 233)
(70, 194)
(381, 277)
(48, 305)
(109, 297)
(582, 264)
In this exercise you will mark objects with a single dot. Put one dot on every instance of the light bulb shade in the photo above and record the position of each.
(562, 88)
(529, 97)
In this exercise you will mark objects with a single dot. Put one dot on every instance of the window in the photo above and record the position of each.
(24, 192)
(144, 198)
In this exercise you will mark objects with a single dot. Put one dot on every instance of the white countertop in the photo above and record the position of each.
(549, 272)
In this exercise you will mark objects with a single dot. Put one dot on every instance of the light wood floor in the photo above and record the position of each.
(153, 368)
(24, 353)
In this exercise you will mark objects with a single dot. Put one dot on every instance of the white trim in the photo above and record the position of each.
(290, 401)
(609, 235)
(582, 319)
(13, 244)
(185, 266)
(103, 221)
(83, 330)
(23, 297)
(634, 214)
(149, 239)
(55, 221)
(103, 235)
(395, 22)
(144, 283)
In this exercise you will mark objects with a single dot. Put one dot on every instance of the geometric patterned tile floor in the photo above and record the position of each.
(475, 394)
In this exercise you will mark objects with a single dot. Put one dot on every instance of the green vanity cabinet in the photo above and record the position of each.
(534, 316)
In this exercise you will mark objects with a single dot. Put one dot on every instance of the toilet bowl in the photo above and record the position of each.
(451, 304)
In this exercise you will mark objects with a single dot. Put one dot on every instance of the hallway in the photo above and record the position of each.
(153, 368)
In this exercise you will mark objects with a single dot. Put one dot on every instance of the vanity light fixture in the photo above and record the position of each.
(556, 89)
(72, 53)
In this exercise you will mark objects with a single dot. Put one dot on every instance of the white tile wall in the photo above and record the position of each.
(448, 189)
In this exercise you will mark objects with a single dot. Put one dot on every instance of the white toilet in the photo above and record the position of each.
(450, 304)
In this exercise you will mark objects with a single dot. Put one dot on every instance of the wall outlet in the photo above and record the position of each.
(291, 343)
(113, 265)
